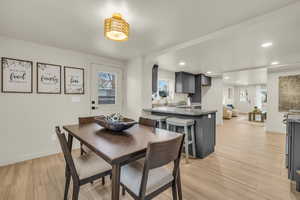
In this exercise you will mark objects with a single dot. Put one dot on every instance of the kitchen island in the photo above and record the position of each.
(205, 125)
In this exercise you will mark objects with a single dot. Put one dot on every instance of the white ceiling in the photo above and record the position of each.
(155, 25)
(239, 47)
(246, 77)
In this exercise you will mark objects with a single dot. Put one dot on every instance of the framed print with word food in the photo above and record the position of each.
(16, 75)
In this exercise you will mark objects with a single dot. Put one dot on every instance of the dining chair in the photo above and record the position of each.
(144, 181)
(85, 120)
(83, 169)
(147, 122)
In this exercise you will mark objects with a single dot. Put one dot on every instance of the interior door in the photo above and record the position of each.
(106, 89)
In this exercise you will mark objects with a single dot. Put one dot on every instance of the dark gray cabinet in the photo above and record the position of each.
(205, 80)
(293, 144)
(196, 97)
(154, 78)
(184, 82)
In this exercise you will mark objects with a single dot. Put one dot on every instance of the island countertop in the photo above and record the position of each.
(180, 111)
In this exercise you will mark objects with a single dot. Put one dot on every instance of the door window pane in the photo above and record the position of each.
(106, 88)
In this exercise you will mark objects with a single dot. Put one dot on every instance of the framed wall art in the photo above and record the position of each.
(289, 93)
(16, 75)
(48, 78)
(74, 80)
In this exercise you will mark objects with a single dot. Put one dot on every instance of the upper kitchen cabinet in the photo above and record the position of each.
(154, 78)
(184, 82)
(205, 80)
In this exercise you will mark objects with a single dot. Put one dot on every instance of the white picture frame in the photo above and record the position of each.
(74, 80)
(48, 78)
(16, 75)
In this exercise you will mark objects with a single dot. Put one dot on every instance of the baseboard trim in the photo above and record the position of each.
(28, 157)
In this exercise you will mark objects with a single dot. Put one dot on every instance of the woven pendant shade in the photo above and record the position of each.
(116, 28)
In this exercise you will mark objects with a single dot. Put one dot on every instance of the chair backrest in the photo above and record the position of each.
(160, 154)
(147, 122)
(86, 120)
(70, 167)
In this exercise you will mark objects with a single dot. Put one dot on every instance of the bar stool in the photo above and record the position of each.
(186, 124)
(158, 118)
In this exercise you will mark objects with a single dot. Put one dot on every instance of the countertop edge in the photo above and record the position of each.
(185, 112)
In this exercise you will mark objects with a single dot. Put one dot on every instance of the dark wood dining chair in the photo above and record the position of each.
(83, 169)
(146, 181)
(148, 122)
(85, 120)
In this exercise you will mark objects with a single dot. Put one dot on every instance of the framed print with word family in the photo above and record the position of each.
(48, 78)
(16, 75)
(74, 80)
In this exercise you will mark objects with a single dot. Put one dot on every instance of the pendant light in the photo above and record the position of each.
(116, 28)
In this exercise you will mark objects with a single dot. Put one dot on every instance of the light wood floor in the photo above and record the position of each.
(247, 164)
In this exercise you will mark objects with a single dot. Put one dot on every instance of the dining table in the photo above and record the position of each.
(117, 148)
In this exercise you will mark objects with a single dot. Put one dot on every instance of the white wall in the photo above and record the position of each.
(212, 98)
(133, 82)
(28, 120)
(274, 118)
(254, 95)
(226, 99)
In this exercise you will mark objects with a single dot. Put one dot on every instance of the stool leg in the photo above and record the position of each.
(193, 140)
(186, 144)
(160, 124)
(168, 126)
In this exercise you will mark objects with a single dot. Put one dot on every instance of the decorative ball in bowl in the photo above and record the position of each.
(115, 122)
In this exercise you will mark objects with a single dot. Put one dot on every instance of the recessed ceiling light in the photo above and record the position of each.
(267, 44)
(226, 77)
(275, 63)
(209, 72)
(181, 63)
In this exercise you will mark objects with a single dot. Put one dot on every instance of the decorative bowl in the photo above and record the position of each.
(119, 125)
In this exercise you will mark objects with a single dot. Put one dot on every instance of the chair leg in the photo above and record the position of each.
(174, 190)
(179, 185)
(193, 140)
(123, 190)
(103, 180)
(68, 179)
(75, 192)
(81, 149)
(186, 144)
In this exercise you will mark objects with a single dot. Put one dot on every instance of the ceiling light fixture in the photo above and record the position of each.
(209, 72)
(267, 44)
(226, 77)
(181, 63)
(275, 63)
(116, 28)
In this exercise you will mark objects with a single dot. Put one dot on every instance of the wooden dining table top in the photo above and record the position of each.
(118, 147)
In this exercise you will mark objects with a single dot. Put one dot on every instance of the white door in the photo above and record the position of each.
(106, 89)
